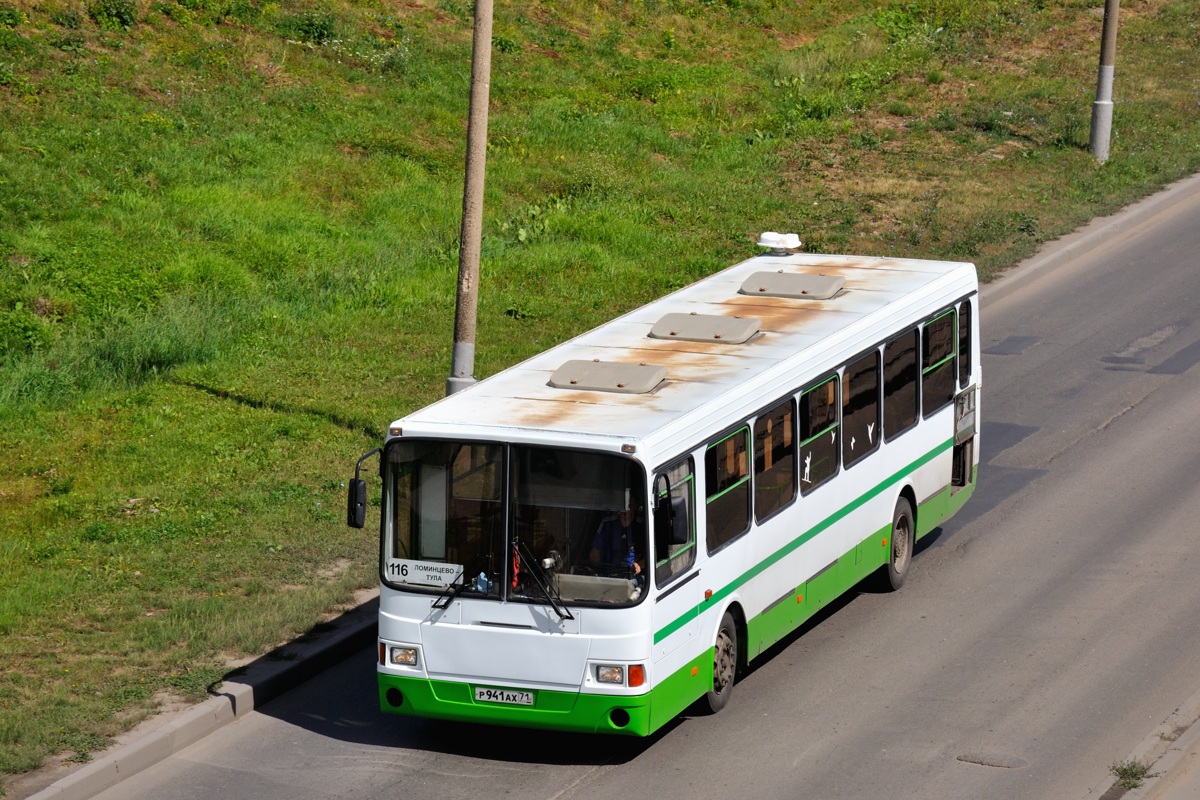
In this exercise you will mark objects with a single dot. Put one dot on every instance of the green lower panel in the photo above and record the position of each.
(959, 498)
(872, 553)
(679, 690)
(567, 711)
(778, 620)
(933, 512)
(941, 507)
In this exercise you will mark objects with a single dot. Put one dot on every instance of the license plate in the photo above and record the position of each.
(485, 695)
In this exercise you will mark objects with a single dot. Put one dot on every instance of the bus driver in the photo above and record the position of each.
(613, 544)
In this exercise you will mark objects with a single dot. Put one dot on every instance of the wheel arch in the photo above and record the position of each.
(735, 610)
(909, 494)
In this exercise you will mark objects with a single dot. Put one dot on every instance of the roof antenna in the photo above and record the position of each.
(779, 244)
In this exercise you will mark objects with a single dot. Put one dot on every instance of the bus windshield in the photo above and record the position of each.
(514, 522)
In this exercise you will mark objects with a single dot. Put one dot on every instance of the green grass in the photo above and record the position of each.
(1131, 774)
(229, 241)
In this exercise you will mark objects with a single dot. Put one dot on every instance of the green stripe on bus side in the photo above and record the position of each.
(791, 546)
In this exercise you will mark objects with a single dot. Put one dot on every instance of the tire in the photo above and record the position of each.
(901, 552)
(725, 663)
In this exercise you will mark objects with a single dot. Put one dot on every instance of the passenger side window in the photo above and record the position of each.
(818, 434)
(727, 488)
(674, 521)
(774, 459)
(900, 384)
(860, 408)
(937, 363)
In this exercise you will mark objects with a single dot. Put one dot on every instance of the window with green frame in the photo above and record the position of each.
(774, 459)
(727, 488)
(818, 434)
(675, 544)
(938, 372)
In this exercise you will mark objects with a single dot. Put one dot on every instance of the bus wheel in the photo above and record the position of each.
(902, 546)
(725, 659)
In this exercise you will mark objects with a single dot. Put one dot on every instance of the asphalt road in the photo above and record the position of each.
(1041, 635)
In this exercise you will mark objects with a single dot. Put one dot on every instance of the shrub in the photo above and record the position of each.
(173, 11)
(113, 14)
(69, 42)
(20, 332)
(10, 16)
(317, 27)
(67, 19)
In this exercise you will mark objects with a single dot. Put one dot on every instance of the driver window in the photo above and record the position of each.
(674, 522)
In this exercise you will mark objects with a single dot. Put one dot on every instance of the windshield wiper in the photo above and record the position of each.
(547, 586)
(450, 592)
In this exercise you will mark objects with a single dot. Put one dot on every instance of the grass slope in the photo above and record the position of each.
(228, 245)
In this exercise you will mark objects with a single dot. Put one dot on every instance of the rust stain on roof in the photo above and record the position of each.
(578, 409)
(779, 313)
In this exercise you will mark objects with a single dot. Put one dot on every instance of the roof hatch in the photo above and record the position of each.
(798, 285)
(608, 376)
(705, 328)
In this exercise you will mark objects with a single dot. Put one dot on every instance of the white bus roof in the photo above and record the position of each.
(536, 401)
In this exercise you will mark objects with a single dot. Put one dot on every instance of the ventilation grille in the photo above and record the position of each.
(793, 285)
(608, 376)
(705, 328)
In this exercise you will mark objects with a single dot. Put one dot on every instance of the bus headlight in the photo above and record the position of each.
(631, 675)
(403, 656)
(610, 673)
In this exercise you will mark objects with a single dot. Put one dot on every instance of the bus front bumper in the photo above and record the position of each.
(565, 711)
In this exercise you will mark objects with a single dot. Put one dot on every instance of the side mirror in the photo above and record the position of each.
(356, 495)
(356, 503)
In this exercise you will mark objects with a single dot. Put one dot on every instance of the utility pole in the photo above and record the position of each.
(462, 367)
(1102, 109)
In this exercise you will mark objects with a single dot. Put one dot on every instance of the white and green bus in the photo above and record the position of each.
(603, 535)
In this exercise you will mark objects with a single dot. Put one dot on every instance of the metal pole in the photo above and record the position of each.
(1102, 109)
(462, 366)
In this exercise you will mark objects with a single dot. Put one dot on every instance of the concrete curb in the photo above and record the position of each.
(1099, 232)
(1172, 750)
(261, 680)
